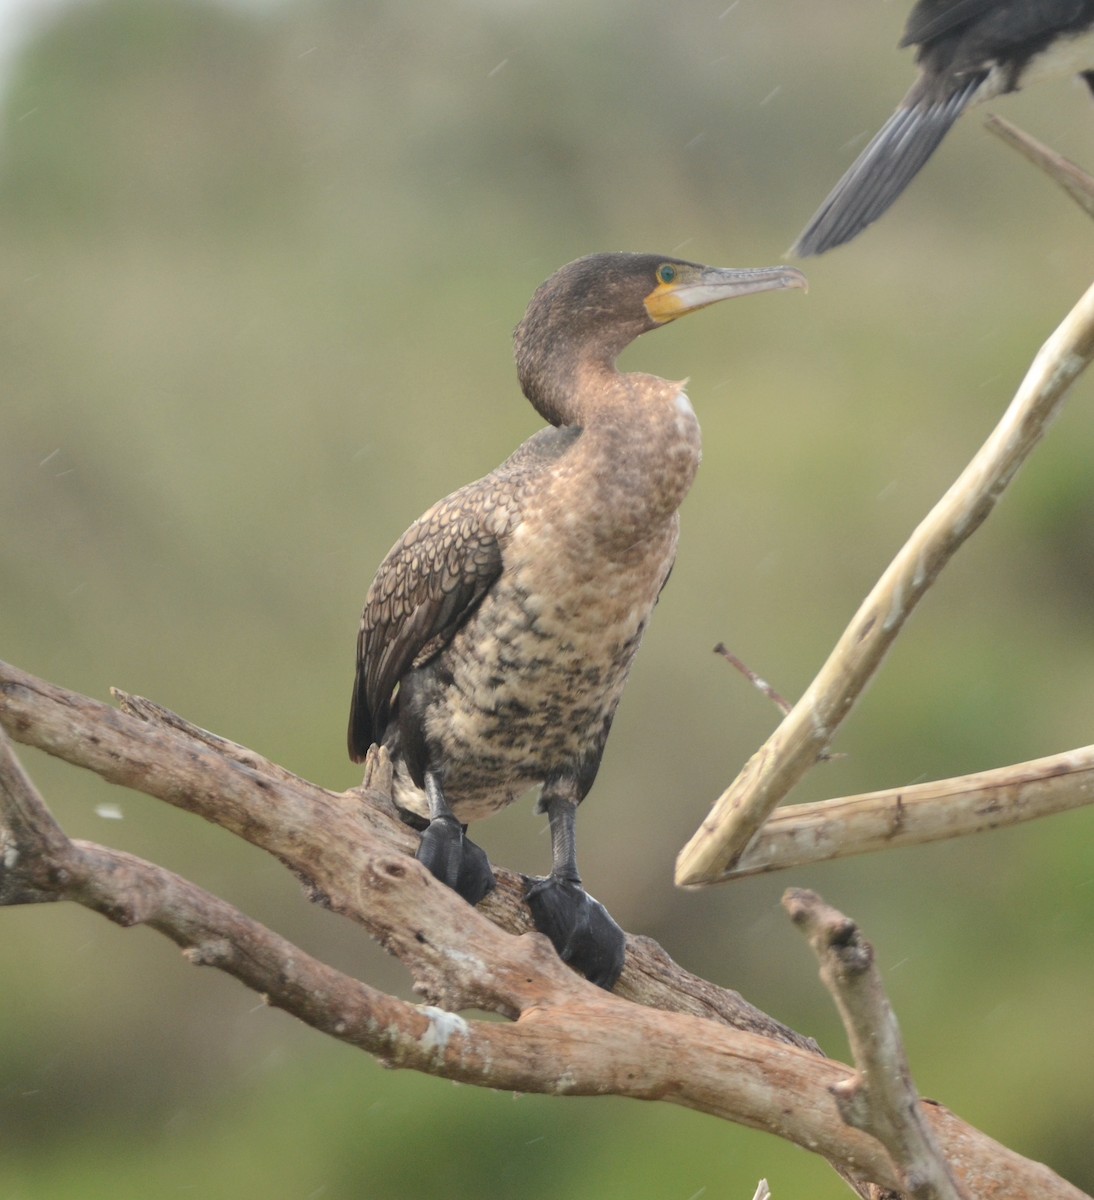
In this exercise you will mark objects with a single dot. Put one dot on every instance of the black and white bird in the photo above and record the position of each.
(968, 51)
(499, 631)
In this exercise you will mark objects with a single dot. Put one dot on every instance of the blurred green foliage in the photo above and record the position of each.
(259, 269)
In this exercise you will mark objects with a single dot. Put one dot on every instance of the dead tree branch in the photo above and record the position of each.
(880, 1098)
(806, 733)
(800, 834)
(320, 835)
(673, 1037)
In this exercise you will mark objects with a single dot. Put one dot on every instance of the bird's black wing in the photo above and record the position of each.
(1006, 23)
(931, 19)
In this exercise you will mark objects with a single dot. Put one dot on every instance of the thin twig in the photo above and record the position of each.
(807, 732)
(761, 685)
(880, 1098)
(780, 701)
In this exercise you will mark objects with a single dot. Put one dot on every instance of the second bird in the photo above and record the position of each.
(499, 631)
(968, 51)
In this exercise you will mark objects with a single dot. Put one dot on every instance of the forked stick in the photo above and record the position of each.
(880, 1098)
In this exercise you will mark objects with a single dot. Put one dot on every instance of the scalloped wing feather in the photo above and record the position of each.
(427, 586)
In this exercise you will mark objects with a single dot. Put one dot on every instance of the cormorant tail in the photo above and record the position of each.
(882, 171)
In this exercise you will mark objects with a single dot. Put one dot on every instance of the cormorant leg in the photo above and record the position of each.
(448, 853)
(580, 927)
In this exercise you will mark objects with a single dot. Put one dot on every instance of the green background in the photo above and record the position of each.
(259, 265)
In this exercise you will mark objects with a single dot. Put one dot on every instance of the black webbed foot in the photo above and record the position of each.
(581, 928)
(453, 858)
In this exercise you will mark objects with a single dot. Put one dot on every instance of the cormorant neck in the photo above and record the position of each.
(564, 390)
(560, 366)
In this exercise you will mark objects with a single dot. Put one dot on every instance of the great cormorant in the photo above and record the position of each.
(968, 51)
(498, 632)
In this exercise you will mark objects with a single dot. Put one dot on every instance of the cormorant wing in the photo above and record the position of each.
(425, 589)
(958, 43)
(1013, 21)
(932, 19)
(436, 576)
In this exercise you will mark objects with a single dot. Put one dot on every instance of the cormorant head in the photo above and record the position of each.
(590, 310)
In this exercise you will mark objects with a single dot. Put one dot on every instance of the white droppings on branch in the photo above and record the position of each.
(442, 1027)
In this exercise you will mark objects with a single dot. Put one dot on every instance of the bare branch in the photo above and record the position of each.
(323, 836)
(805, 735)
(924, 812)
(566, 1036)
(1073, 179)
(880, 1099)
(24, 821)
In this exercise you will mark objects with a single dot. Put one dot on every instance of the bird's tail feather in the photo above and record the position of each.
(360, 736)
(882, 171)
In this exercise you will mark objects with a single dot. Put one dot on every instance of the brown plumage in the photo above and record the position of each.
(498, 633)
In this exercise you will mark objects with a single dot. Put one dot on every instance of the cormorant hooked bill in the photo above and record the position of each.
(968, 51)
(498, 632)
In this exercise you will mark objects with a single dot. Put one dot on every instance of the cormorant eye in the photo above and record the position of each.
(666, 274)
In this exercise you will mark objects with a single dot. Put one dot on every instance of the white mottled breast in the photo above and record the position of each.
(539, 670)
